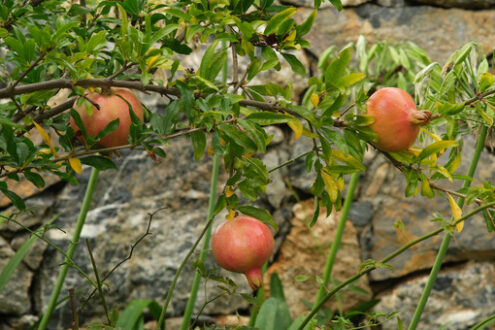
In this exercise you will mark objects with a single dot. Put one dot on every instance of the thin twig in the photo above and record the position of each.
(31, 67)
(98, 282)
(347, 109)
(73, 306)
(129, 256)
(124, 68)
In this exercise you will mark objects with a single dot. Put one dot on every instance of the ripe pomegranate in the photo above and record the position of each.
(397, 119)
(243, 245)
(112, 106)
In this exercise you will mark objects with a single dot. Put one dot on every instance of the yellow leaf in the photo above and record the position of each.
(415, 150)
(315, 99)
(46, 138)
(455, 164)
(456, 213)
(151, 60)
(291, 37)
(228, 191)
(231, 215)
(340, 183)
(442, 170)
(309, 134)
(297, 126)
(433, 135)
(331, 185)
(75, 163)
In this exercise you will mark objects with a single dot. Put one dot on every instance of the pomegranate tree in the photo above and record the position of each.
(397, 119)
(243, 245)
(111, 106)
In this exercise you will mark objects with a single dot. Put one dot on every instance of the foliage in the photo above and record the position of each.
(54, 47)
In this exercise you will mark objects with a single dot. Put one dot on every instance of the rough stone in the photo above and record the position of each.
(34, 257)
(384, 188)
(304, 252)
(119, 216)
(25, 188)
(461, 297)
(37, 209)
(361, 213)
(469, 4)
(14, 299)
(325, 4)
(446, 29)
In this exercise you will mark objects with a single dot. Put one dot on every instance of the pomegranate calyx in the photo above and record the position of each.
(254, 278)
(420, 117)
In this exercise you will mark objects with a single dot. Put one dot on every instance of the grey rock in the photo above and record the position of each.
(298, 177)
(391, 3)
(384, 187)
(468, 4)
(277, 134)
(325, 3)
(461, 297)
(37, 209)
(361, 213)
(447, 29)
(34, 257)
(119, 216)
(14, 299)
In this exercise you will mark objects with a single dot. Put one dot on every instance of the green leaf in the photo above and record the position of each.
(316, 211)
(350, 79)
(274, 314)
(35, 178)
(239, 137)
(111, 126)
(450, 109)
(294, 63)
(14, 198)
(268, 118)
(436, 147)
(463, 53)
(101, 163)
(337, 4)
(8, 122)
(132, 313)
(178, 13)
(199, 144)
(212, 62)
(337, 68)
(254, 68)
(276, 287)
(259, 214)
(306, 26)
(489, 217)
(277, 19)
(158, 35)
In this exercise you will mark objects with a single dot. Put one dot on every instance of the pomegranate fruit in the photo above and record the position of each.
(243, 245)
(112, 106)
(397, 119)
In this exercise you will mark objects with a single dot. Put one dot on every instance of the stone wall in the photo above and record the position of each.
(120, 212)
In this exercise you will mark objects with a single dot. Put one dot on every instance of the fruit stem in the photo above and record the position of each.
(72, 248)
(420, 117)
(197, 276)
(446, 239)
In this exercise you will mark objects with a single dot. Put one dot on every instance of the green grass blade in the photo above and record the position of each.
(14, 262)
(132, 313)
